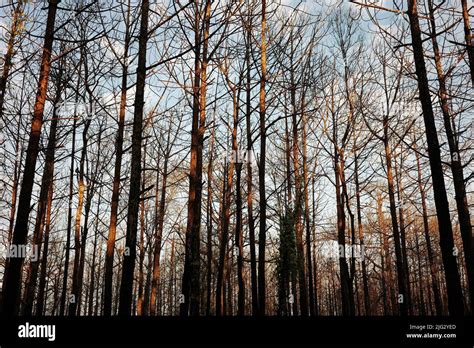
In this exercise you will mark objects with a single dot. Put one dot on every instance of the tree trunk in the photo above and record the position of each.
(360, 227)
(191, 283)
(76, 276)
(12, 286)
(13, 32)
(261, 172)
(209, 221)
(453, 283)
(109, 257)
(126, 287)
(158, 237)
(426, 229)
(44, 258)
(402, 294)
(401, 214)
(312, 302)
(456, 163)
(141, 258)
(251, 220)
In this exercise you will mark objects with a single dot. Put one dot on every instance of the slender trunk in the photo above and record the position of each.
(109, 256)
(469, 37)
(76, 280)
(141, 258)
(15, 183)
(421, 300)
(402, 294)
(351, 256)
(13, 32)
(261, 172)
(44, 258)
(158, 238)
(94, 258)
(312, 303)
(251, 220)
(360, 227)
(401, 214)
(426, 229)
(240, 243)
(64, 294)
(341, 237)
(298, 205)
(209, 213)
(315, 268)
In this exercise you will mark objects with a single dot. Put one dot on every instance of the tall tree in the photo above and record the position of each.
(453, 282)
(129, 256)
(12, 286)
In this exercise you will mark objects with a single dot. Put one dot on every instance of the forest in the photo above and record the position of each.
(236, 158)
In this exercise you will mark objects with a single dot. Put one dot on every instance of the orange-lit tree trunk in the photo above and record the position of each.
(109, 256)
(12, 281)
(191, 283)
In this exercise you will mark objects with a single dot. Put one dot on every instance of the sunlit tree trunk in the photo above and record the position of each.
(12, 286)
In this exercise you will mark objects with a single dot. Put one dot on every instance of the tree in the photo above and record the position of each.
(129, 256)
(11, 288)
